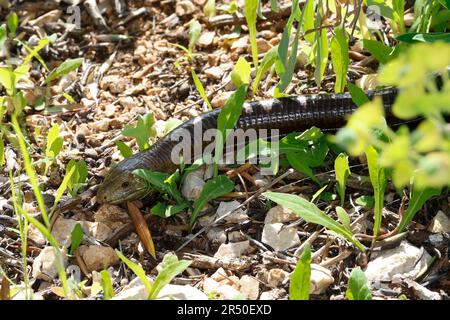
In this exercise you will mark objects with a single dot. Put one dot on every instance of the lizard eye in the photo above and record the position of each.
(126, 184)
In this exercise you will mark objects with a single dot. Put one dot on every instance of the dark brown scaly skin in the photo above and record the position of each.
(325, 111)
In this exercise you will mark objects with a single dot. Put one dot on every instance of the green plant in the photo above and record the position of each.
(143, 131)
(310, 213)
(250, 12)
(342, 171)
(195, 29)
(108, 291)
(358, 288)
(77, 180)
(200, 89)
(301, 277)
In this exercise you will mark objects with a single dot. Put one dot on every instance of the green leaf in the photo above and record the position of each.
(12, 23)
(142, 132)
(209, 9)
(214, 188)
(227, 119)
(357, 94)
(171, 124)
(267, 62)
(165, 211)
(379, 183)
(274, 5)
(365, 201)
(201, 89)
(424, 37)
(301, 277)
(137, 270)
(343, 217)
(78, 179)
(286, 77)
(170, 268)
(54, 145)
(241, 73)
(418, 199)
(339, 57)
(379, 50)
(195, 29)
(308, 20)
(358, 288)
(124, 149)
(76, 238)
(318, 193)
(321, 53)
(381, 5)
(62, 188)
(310, 213)
(163, 182)
(64, 68)
(342, 171)
(2, 35)
(33, 53)
(108, 291)
(2, 152)
(250, 12)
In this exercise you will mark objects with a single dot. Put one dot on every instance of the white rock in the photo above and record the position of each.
(320, 279)
(98, 257)
(241, 43)
(273, 294)
(237, 216)
(232, 250)
(98, 230)
(220, 275)
(35, 235)
(133, 293)
(404, 261)
(44, 266)
(279, 214)
(206, 38)
(249, 287)
(216, 235)
(260, 180)
(184, 7)
(440, 223)
(62, 230)
(215, 73)
(225, 291)
(276, 277)
(421, 292)
(178, 292)
(193, 185)
(159, 126)
(279, 237)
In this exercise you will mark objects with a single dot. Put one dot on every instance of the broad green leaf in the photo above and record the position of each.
(267, 62)
(165, 211)
(108, 291)
(227, 119)
(76, 238)
(137, 270)
(418, 199)
(142, 132)
(286, 77)
(241, 73)
(308, 20)
(170, 268)
(195, 29)
(343, 217)
(301, 277)
(250, 12)
(12, 23)
(214, 188)
(357, 94)
(124, 149)
(209, 9)
(310, 213)
(339, 57)
(321, 55)
(358, 288)
(64, 68)
(379, 50)
(379, 183)
(201, 89)
(171, 124)
(365, 201)
(342, 172)
(78, 178)
(54, 142)
(163, 182)
(2, 35)
(424, 37)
